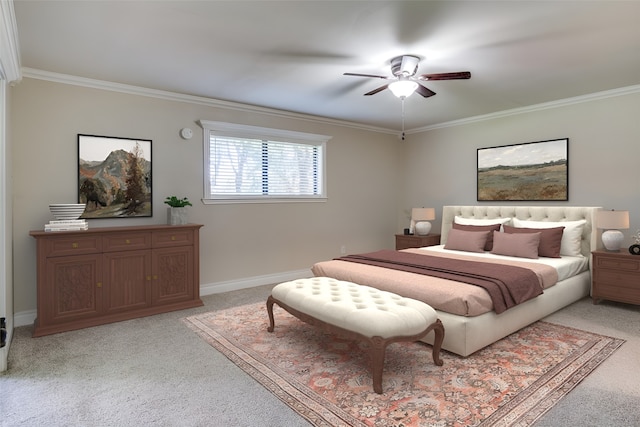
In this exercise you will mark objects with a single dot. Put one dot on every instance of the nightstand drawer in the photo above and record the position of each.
(616, 293)
(619, 264)
(617, 278)
(406, 241)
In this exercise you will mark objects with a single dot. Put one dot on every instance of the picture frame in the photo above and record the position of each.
(114, 176)
(531, 171)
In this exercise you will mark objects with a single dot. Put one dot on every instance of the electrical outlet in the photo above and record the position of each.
(343, 249)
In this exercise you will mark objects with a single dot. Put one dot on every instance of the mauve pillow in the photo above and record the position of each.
(469, 241)
(490, 228)
(518, 245)
(550, 239)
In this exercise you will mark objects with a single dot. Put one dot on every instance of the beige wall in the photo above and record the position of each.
(604, 155)
(373, 178)
(237, 241)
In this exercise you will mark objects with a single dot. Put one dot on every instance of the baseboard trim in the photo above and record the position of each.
(24, 318)
(252, 282)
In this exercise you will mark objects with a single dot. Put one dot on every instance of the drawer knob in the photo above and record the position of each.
(149, 278)
(99, 284)
(127, 241)
(173, 237)
(74, 245)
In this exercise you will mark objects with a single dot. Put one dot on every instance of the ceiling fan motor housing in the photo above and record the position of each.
(405, 65)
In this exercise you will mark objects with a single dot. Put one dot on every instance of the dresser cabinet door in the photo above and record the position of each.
(73, 289)
(127, 281)
(173, 279)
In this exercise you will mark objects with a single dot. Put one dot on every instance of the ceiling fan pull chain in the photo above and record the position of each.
(402, 100)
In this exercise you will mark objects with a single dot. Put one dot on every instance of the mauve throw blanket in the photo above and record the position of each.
(507, 285)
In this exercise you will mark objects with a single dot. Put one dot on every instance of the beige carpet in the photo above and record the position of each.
(327, 380)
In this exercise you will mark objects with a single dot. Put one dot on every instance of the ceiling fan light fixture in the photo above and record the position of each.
(403, 88)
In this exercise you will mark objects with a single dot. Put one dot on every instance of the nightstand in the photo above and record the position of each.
(405, 241)
(616, 277)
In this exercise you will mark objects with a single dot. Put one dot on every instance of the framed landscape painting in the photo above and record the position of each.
(114, 176)
(533, 171)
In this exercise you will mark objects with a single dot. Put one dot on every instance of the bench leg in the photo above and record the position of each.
(270, 302)
(438, 329)
(378, 348)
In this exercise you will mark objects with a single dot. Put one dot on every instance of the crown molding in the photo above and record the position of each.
(200, 100)
(628, 90)
(211, 102)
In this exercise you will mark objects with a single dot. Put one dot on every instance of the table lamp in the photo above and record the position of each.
(420, 218)
(612, 221)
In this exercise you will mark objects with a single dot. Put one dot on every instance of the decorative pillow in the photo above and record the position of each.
(550, 239)
(518, 245)
(483, 221)
(469, 241)
(490, 228)
(571, 237)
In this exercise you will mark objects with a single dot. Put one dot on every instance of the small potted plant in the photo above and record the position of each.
(177, 214)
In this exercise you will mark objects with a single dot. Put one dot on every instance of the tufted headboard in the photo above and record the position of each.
(590, 236)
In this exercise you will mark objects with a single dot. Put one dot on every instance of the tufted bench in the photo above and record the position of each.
(358, 312)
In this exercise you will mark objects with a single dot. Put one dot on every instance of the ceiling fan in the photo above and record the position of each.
(405, 82)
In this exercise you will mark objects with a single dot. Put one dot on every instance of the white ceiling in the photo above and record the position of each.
(290, 55)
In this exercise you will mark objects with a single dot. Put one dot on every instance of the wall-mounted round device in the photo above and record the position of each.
(186, 133)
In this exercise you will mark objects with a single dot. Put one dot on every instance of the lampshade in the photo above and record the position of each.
(423, 214)
(403, 88)
(612, 220)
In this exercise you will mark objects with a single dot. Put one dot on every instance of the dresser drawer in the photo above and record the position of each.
(72, 245)
(619, 264)
(126, 241)
(177, 237)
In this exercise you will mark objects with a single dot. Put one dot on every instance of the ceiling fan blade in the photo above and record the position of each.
(424, 91)
(366, 75)
(373, 92)
(461, 75)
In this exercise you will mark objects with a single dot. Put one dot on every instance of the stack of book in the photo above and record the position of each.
(66, 225)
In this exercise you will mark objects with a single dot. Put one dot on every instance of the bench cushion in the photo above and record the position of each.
(357, 308)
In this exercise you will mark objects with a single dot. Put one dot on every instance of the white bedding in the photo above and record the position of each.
(566, 266)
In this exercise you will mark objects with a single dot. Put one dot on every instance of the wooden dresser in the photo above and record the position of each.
(616, 277)
(103, 275)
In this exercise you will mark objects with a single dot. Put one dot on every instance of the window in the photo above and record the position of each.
(254, 164)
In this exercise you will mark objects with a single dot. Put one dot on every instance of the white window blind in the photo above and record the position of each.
(247, 163)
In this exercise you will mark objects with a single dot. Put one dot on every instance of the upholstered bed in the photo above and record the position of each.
(466, 311)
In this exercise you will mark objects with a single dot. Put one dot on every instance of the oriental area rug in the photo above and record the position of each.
(327, 380)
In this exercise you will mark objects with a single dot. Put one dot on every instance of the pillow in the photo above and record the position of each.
(550, 239)
(469, 241)
(484, 221)
(518, 245)
(571, 236)
(490, 228)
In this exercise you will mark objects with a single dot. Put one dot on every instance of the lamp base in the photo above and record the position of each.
(423, 228)
(612, 240)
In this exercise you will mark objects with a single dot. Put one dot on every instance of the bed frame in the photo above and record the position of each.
(466, 335)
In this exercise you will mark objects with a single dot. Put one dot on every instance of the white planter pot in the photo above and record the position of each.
(177, 216)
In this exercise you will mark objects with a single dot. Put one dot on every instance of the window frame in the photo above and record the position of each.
(235, 130)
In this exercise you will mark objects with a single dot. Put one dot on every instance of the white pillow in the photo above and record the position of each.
(571, 235)
(473, 221)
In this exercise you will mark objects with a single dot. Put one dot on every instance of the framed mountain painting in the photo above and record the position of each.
(114, 176)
